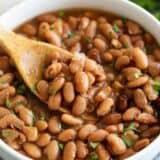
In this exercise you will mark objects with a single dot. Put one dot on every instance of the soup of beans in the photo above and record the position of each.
(103, 102)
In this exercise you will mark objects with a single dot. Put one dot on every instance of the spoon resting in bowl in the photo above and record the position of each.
(29, 56)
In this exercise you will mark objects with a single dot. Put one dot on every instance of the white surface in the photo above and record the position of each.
(6, 4)
(31, 8)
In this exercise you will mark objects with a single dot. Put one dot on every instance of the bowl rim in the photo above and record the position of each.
(13, 153)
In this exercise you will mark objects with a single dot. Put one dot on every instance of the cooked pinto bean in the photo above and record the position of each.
(140, 98)
(32, 150)
(131, 114)
(3, 112)
(82, 149)
(105, 107)
(29, 29)
(133, 28)
(81, 82)
(68, 92)
(71, 120)
(100, 44)
(86, 130)
(70, 150)
(146, 118)
(91, 29)
(117, 145)
(141, 144)
(41, 125)
(67, 135)
(79, 105)
(127, 153)
(103, 154)
(54, 125)
(52, 150)
(122, 62)
(43, 139)
(98, 135)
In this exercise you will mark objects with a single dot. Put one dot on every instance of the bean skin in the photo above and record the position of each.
(79, 105)
(52, 150)
(68, 92)
(43, 139)
(82, 149)
(81, 82)
(67, 135)
(70, 150)
(54, 125)
(32, 150)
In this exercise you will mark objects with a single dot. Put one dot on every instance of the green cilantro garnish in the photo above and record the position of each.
(61, 14)
(21, 89)
(125, 45)
(129, 142)
(131, 127)
(125, 20)
(93, 144)
(53, 91)
(156, 86)
(71, 34)
(93, 156)
(21, 103)
(115, 28)
(8, 103)
(88, 39)
(110, 34)
(138, 74)
(2, 82)
(61, 146)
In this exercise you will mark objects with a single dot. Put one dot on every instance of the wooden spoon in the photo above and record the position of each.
(29, 56)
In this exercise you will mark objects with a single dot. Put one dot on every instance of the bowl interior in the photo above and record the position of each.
(29, 9)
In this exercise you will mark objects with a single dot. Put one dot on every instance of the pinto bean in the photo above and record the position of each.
(6, 93)
(133, 28)
(41, 125)
(91, 29)
(84, 22)
(67, 135)
(103, 154)
(140, 98)
(129, 152)
(29, 29)
(68, 92)
(86, 130)
(137, 82)
(79, 105)
(43, 140)
(90, 65)
(49, 18)
(32, 150)
(11, 120)
(154, 69)
(81, 82)
(18, 100)
(82, 149)
(71, 120)
(141, 144)
(140, 58)
(122, 62)
(126, 41)
(117, 145)
(146, 118)
(54, 125)
(115, 128)
(31, 133)
(105, 107)
(122, 102)
(91, 78)
(112, 118)
(52, 150)
(56, 85)
(54, 101)
(98, 135)
(4, 61)
(42, 88)
(70, 150)
(7, 78)
(131, 113)
(150, 132)
(100, 44)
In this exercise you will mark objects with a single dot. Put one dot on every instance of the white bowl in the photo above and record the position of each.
(31, 8)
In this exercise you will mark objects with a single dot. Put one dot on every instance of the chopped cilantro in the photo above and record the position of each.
(125, 45)
(53, 91)
(125, 20)
(71, 34)
(88, 39)
(8, 103)
(61, 146)
(156, 86)
(21, 89)
(129, 142)
(110, 34)
(2, 82)
(138, 74)
(93, 144)
(21, 103)
(132, 127)
(115, 28)
(93, 156)
(61, 14)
